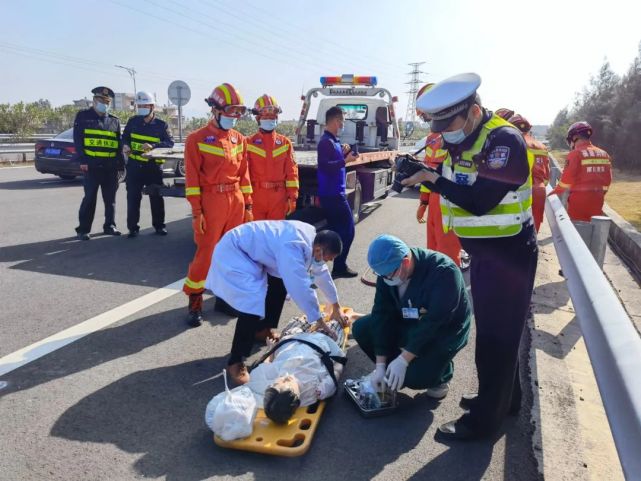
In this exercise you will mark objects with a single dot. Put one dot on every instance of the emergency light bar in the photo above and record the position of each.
(349, 79)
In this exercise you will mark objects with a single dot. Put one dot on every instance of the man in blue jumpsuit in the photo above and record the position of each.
(331, 187)
(420, 318)
(145, 132)
(96, 137)
(486, 198)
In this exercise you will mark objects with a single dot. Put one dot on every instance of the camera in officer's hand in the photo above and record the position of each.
(406, 166)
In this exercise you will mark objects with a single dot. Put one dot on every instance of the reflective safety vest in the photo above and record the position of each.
(137, 141)
(504, 220)
(100, 143)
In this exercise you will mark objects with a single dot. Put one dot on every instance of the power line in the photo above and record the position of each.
(415, 80)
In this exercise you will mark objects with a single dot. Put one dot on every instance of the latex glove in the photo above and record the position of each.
(337, 315)
(377, 377)
(198, 223)
(420, 213)
(395, 373)
(249, 215)
(291, 206)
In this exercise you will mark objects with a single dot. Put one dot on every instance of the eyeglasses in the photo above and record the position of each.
(391, 276)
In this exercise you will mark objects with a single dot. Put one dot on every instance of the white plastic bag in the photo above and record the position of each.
(230, 414)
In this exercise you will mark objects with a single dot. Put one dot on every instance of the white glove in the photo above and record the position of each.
(395, 374)
(377, 376)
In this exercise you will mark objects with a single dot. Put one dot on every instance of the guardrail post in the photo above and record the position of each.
(599, 240)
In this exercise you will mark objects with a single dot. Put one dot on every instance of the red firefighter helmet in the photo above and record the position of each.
(520, 123)
(266, 104)
(578, 128)
(227, 98)
(504, 113)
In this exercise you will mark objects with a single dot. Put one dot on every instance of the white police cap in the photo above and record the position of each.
(449, 98)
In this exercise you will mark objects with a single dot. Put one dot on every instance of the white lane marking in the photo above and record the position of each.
(36, 350)
(55, 252)
(16, 167)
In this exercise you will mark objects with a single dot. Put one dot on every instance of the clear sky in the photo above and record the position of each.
(532, 56)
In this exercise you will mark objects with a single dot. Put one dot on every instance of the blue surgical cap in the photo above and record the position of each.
(386, 253)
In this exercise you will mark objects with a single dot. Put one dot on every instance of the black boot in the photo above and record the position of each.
(195, 317)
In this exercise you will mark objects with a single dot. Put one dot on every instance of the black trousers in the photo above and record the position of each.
(140, 175)
(107, 181)
(502, 279)
(248, 324)
(339, 219)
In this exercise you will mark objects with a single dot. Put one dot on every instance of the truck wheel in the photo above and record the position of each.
(180, 168)
(356, 204)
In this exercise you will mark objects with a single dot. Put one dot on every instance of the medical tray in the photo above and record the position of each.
(388, 404)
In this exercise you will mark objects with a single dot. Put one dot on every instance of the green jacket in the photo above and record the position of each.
(437, 290)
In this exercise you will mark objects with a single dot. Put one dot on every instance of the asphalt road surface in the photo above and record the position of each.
(127, 401)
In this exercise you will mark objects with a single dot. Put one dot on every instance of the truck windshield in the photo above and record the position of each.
(354, 111)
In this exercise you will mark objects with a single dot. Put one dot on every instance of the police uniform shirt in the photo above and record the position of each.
(90, 119)
(331, 166)
(155, 128)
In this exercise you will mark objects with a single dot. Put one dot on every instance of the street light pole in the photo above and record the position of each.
(132, 72)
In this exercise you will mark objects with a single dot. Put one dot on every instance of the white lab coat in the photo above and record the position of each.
(281, 248)
(303, 363)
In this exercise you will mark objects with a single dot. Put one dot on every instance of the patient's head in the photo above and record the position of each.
(281, 399)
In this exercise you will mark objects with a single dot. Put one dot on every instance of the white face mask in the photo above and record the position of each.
(144, 111)
(394, 281)
(268, 124)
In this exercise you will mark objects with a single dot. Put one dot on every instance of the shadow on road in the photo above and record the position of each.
(148, 260)
(40, 183)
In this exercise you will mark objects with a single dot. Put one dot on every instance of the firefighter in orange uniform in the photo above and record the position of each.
(540, 167)
(504, 113)
(217, 187)
(587, 173)
(437, 240)
(273, 170)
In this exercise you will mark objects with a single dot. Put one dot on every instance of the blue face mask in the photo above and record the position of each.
(227, 123)
(456, 136)
(268, 124)
(144, 111)
(101, 108)
(394, 281)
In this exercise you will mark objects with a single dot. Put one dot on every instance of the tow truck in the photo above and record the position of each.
(370, 127)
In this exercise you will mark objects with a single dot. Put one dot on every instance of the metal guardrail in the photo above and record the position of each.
(5, 137)
(613, 344)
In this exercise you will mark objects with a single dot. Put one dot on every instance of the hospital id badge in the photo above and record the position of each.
(410, 313)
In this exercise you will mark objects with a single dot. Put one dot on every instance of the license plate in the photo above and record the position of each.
(52, 151)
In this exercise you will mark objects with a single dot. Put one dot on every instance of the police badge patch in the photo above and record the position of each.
(497, 159)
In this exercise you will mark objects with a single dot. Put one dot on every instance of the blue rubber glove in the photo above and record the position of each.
(395, 374)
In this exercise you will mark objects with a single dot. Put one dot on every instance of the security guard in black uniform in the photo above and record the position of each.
(143, 133)
(96, 136)
(486, 198)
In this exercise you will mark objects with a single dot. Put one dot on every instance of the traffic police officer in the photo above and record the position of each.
(145, 132)
(486, 197)
(96, 137)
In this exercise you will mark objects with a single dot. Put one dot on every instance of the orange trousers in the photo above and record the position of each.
(223, 211)
(538, 204)
(269, 204)
(582, 205)
(437, 240)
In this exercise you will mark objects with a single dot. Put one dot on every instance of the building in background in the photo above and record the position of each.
(123, 101)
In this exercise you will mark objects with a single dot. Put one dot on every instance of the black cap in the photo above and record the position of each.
(103, 92)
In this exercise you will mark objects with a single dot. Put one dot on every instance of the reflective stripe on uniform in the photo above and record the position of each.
(106, 133)
(246, 189)
(192, 191)
(140, 158)
(237, 150)
(145, 138)
(194, 284)
(595, 161)
(256, 150)
(93, 153)
(211, 149)
(280, 150)
(292, 183)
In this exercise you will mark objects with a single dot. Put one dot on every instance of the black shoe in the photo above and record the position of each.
(468, 400)
(222, 306)
(347, 273)
(195, 318)
(457, 430)
(83, 236)
(111, 231)
(561, 272)
(132, 234)
(161, 231)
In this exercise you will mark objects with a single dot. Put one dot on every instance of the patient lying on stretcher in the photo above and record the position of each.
(297, 374)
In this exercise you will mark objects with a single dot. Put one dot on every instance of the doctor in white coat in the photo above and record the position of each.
(253, 268)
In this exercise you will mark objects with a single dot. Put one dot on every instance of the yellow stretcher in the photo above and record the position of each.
(291, 439)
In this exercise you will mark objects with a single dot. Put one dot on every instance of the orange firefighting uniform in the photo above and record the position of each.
(588, 174)
(540, 176)
(437, 240)
(218, 186)
(274, 174)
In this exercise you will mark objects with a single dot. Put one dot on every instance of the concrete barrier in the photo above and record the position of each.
(625, 240)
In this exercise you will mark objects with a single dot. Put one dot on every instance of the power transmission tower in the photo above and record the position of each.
(415, 80)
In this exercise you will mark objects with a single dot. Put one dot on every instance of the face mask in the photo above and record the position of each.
(268, 124)
(318, 263)
(144, 111)
(394, 281)
(101, 108)
(227, 123)
(456, 136)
